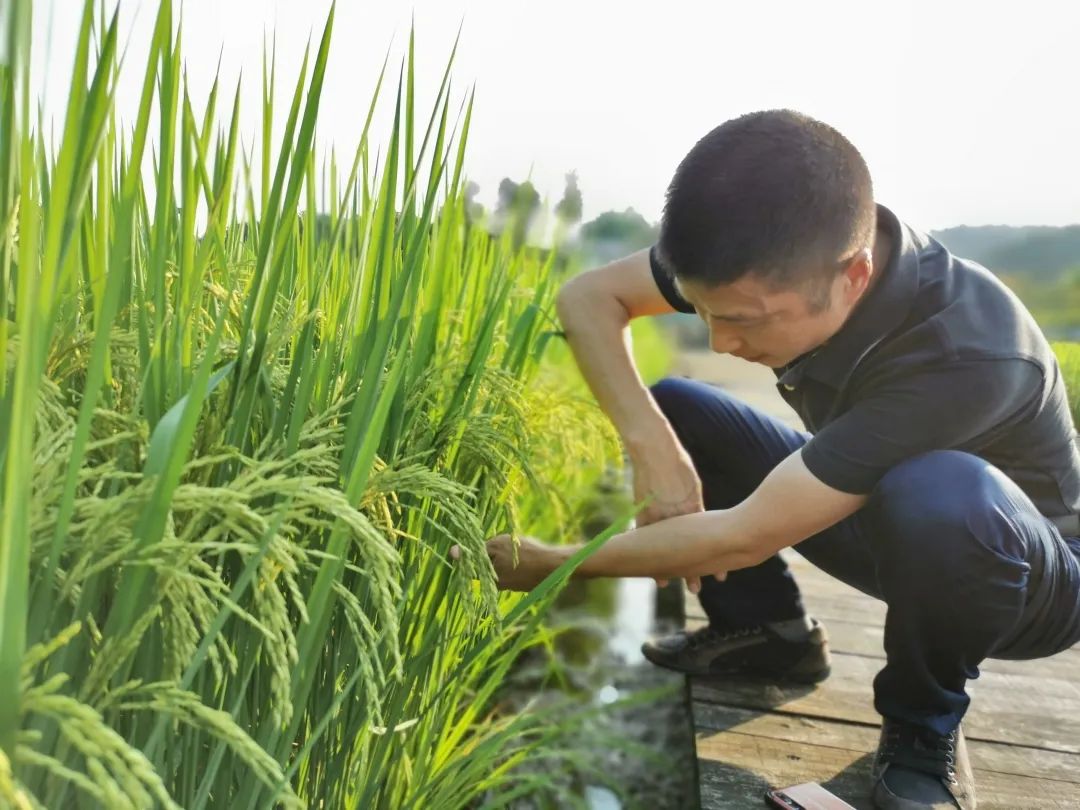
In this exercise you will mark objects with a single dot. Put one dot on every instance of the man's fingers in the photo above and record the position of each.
(721, 575)
(661, 583)
(694, 583)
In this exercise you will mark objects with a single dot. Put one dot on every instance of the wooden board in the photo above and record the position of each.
(1025, 710)
(711, 720)
(736, 766)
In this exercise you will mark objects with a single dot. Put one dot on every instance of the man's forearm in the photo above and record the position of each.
(596, 330)
(688, 545)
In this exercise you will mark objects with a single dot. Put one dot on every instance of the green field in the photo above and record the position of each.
(236, 450)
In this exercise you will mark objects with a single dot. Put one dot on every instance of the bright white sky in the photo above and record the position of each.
(965, 111)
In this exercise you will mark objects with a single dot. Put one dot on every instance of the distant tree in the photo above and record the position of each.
(616, 233)
(474, 211)
(568, 209)
(507, 190)
(517, 205)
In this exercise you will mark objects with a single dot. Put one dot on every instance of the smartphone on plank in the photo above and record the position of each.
(807, 796)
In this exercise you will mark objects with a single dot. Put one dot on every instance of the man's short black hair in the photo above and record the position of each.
(774, 193)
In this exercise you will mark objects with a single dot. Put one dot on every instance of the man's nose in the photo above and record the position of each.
(724, 342)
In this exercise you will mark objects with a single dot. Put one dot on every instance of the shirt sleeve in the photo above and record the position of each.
(961, 406)
(667, 287)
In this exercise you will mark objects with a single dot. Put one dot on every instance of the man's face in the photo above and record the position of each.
(750, 320)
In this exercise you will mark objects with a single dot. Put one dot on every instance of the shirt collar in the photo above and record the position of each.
(881, 310)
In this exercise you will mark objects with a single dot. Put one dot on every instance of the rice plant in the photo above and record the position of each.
(236, 452)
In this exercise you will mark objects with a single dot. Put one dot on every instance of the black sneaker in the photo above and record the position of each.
(757, 652)
(917, 769)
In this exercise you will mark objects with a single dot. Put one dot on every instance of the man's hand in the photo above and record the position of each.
(535, 561)
(670, 474)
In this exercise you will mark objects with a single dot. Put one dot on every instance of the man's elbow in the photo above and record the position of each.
(568, 298)
(584, 299)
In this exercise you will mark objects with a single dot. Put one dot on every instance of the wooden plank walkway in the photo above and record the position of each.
(1023, 727)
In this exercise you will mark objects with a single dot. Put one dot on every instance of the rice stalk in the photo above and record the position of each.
(225, 582)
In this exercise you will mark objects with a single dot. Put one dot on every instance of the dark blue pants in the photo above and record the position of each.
(967, 565)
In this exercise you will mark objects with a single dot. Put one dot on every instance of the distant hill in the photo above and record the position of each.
(1036, 251)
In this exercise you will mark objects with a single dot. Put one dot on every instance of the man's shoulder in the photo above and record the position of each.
(970, 313)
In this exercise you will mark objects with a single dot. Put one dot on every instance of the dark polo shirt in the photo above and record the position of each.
(938, 354)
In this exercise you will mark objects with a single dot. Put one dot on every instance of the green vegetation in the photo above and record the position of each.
(1068, 355)
(236, 452)
(1055, 304)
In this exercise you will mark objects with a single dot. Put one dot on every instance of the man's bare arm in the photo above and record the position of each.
(789, 506)
(683, 546)
(595, 309)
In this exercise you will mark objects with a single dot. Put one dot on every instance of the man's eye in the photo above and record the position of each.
(758, 321)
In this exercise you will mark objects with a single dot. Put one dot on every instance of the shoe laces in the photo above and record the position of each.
(709, 635)
(920, 748)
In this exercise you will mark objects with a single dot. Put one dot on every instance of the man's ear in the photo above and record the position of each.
(859, 271)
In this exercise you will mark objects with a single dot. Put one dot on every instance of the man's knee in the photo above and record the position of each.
(943, 534)
(672, 393)
(926, 507)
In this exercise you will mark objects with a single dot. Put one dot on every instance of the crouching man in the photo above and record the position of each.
(939, 472)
